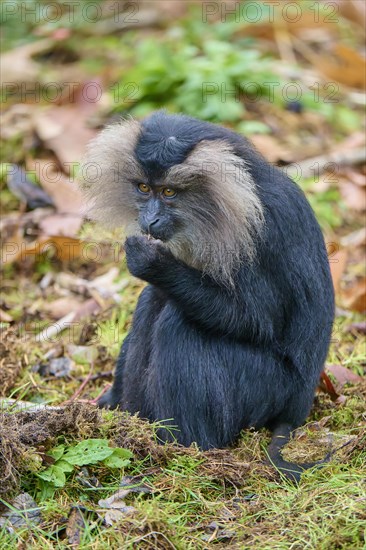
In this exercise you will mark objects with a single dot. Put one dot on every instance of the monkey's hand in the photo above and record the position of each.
(145, 256)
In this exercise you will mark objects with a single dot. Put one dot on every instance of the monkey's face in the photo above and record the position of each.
(158, 210)
(163, 178)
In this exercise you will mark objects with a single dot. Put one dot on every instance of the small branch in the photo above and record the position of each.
(317, 165)
(79, 390)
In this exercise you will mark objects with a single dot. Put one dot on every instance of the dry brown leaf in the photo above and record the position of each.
(65, 129)
(346, 66)
(17, 65)
(66, 225)
(61, 248)
(343, 375)
(63, 190)
(86, 309)
(270, 148)
(337, 263)
(75, 526)
(12, 248)
(356, 238)
(64, 248)
(354, 141)
(327, 386)
(5, 317)
(298, 27)
(61, 307)
(353, 195)
(354, 10)
(355, 177)
(354, 297)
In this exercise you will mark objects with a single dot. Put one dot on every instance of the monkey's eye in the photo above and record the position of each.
(143, 188)
(167, 192)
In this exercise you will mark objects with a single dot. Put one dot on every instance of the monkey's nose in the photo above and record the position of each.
(154, 223)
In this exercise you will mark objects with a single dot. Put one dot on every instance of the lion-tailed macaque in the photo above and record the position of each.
(233, 328)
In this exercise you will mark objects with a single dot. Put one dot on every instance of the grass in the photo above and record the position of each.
(217, 498)
(220, 498)
(188, 511)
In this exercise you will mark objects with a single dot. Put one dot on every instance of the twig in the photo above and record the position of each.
(317, 165)
(79, 390)
(96, 399)
(98, 375)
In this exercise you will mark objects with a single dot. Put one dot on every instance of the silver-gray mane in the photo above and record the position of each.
(222, 213)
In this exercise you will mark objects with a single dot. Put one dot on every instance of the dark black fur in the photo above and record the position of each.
(216, 360)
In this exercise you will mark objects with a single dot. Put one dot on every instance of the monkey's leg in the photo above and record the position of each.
(280, 437)
(127, 391)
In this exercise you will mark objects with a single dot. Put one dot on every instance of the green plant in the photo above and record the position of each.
(89, 451)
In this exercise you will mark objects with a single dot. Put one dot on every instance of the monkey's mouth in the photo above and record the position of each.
(161, 237)
(153, 239)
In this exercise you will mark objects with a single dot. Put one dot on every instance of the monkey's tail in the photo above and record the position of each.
(280, 437)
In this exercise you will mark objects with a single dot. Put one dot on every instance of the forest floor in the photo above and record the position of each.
(71, 475)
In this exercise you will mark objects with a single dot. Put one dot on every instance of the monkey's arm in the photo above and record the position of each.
(112, 398)
(239, 313)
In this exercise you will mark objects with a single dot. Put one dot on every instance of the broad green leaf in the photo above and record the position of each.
(57, 452)
(89, 451)
(46, 490)
(118, 459)
(64, 465)
(54, 475)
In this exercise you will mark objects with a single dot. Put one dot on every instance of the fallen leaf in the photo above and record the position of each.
(356, 238)
(116, 506)
(353, 141)
(355, 177)
(346, 66)
(24, 512)
(270, 148)
(25, 190)
(17, 249)
(87, 309)
(61, 307)
(5, 317)
(352, 9)
(354, 297)
(115, 500)
(64, 191)
(359, 328)
(62, 248)
(326, 385)
(337, 264)
(17, 65)
(353, 195)
(114, 516)
(75, 526)
(342, 374)
(300, 27)
(61, 225)
(65, 129)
